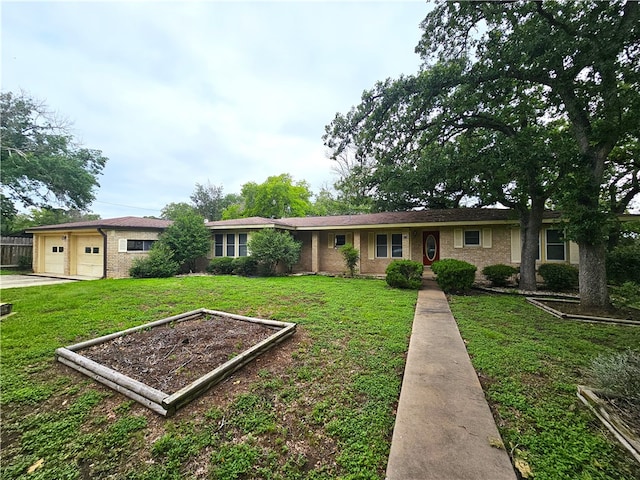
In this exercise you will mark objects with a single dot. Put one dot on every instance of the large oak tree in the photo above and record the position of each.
(521, 77)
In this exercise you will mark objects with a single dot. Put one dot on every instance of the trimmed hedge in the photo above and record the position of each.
(499, 274)
(245, 266)
(221, 266)
(559, 276)
(404, 274)
(454, 275)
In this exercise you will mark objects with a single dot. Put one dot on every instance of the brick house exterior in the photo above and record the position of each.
(94, 249)
(106, 248)
(480, 236)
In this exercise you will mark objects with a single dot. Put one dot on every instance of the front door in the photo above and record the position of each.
(430, 247)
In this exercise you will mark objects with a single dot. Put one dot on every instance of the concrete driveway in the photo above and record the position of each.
(18, 281)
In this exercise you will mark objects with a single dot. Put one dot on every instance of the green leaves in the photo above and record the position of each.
(41, 163)
(272, 247)
(188, 239)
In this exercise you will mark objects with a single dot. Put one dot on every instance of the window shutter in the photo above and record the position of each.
(516, 246)
(372, 246)
(486, 238)
(349, 238)
(122, 245)
(574, 257)
(458, 235)
(332, 240)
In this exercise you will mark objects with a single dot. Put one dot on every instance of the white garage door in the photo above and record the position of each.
(89, 256)
(53, 255)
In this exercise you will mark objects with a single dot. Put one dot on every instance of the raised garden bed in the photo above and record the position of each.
(623, 424)
(167, 363)
(567, 308)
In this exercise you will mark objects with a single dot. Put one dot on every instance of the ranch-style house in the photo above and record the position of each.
(106, 248)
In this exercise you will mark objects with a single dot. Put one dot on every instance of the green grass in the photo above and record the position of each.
(530, 364)
(326, 413)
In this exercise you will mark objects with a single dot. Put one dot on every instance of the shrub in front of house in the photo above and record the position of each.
(221, 266)
(351, 257)
(623, 264)
(271, 248)
(499, 274)
(158, 264)
(454, 276)
(245, 266)
(558, 276)
(404, 274)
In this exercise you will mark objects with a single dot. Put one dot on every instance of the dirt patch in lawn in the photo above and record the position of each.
(171, 356)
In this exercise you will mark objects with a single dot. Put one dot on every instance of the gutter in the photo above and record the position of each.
(104, 253)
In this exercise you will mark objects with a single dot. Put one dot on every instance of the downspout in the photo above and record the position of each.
(104, 253)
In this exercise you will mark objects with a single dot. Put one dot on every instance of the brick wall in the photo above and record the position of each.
(480, 256)
(119, 263)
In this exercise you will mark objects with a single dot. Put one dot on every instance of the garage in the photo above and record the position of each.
(89, 257)
(54, 255)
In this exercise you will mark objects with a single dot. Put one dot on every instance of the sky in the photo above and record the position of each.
(179, 93)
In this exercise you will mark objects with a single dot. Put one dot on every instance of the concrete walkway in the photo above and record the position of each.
(19, 281)
(444, 429)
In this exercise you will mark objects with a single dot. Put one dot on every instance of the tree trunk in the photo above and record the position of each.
(593, 276)
(530, 225)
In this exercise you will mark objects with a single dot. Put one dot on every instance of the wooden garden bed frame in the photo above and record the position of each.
(160, 402)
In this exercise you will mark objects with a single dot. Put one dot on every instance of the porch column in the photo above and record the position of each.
(356, 245)
(315, 261)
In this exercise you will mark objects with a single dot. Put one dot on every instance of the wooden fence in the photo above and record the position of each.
(13, 248)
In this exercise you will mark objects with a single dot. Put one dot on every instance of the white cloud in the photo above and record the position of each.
(178, 93)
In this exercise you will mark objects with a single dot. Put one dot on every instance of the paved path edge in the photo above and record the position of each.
(444, 429)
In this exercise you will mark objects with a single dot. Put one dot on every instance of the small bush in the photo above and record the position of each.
(623, 264)
(351, 257)
(454, 275)
(158, 264)
(221, 266)
(618, 374)
(245, 266)
(404, 274)
(272, 248)
(559, 276)
(25, 262)
(499, 274)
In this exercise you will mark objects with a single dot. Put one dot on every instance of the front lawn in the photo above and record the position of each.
(320, 406)
(530, 363)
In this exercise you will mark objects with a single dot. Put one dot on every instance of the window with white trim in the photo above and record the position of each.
(381, 245)
(230, 244)
(218, 245)
(388, 245)
(556, 248)
(139, 245)
(242, 245)
(472, 238)
(396, 245)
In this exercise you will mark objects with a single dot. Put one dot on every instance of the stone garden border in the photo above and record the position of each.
(160, 402)
(585, 318)
(610, 420)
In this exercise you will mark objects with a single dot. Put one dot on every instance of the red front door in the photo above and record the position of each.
(430, 247)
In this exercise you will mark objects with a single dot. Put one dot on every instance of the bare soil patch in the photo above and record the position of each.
(171, 356)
